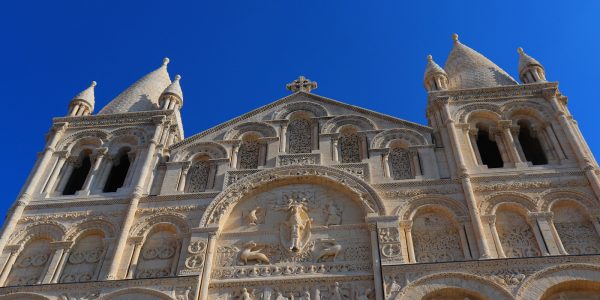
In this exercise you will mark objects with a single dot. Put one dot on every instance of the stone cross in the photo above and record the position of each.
(301, 84)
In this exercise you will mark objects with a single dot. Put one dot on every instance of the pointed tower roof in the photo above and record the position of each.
(432, 68)
(526, 61)
(175, 88)
(143, 95)
(469, 69)
(86, 95)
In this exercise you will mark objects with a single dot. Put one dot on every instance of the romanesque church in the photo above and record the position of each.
(310, 198)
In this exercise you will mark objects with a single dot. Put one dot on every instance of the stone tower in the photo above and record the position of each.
(311, 198)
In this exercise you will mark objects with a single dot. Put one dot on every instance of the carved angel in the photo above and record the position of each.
(256, 216)
(252, 252)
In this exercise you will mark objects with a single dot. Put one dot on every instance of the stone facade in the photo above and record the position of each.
(311, 198)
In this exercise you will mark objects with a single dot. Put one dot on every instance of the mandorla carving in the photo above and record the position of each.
(295, 232)
(252, 252)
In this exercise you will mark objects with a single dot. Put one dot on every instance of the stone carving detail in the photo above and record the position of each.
(80, 295)
(391, 286)
(516, 236)
(198, 177)
(83, 262)
(435, 239)
(329, 251)
(256, 216)
(253, 252)
(349, 148)
(30, 265)
(300, 136)
(249, 154)
(236, 175)
(333, 212)
(578, 237)
(400, 165)
(295, 232)
(360, 170)
(508, 277)
(299, 159)
(195, 259)
(389, 241)
(158, 256)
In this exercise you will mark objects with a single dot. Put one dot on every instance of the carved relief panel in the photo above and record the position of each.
(299, 229)
(516, 235)
(436, 238)
(31, 263)
(84, 260)
(576, 231)
(159, 255)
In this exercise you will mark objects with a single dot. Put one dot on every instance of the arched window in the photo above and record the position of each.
(575, 230)
(118, 171)
(402, 162)
(198, 177)
(488, 149)
(436, 237)
(350, 145)
(532, 148)
(453, 294)
(84, 261)
(516, 236)
(300, 135)
(250, 151)
(81, 169)
(29, 267)
(159, 254)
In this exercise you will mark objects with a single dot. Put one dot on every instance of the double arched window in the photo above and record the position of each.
(487, 147)
(530, 144)
(77, 172)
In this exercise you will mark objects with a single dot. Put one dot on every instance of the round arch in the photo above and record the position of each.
(420, 288)
(99, 223)
(412, 137)
(467, 112)
(213, 150)
(360, 122)
(221, 206)
(493, 201)
(551, 197)
(131, 293)
(536, 285)
(443, 202)
(264, 129)
(52, 230)
(23, 296)
(145, 225)
(68, 142)
(316, 109)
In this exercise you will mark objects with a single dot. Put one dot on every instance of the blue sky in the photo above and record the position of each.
(237, 55)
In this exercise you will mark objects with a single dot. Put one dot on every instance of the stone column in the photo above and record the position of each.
(549, 151)
(100, 152)
(185, 168)
(335, 151)
(57, 261)
(544, 224)
(15, 212)
(376, 261)
(474, 214)
(514, 131)
(496, 135)
(210, 253)
(472, 140)
(137, 243)
(491, 219)
(283, 138)
(505, 126)
(596, 223)
(234, 156)
(463, 238)
(386, 165)
(406, 226)
(414, 155)
(61, 265)
(14, 253)
(532, 220)
(62, 158)
(555, 144)
(133, 205)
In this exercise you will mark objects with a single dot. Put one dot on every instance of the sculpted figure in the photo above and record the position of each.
(256, 216)
(245, 295)
(280, 296)
(251, 252)
(364, 296)
(334, 214)
(330, 251)
(306, 295)
(336, 294)
(297, 227)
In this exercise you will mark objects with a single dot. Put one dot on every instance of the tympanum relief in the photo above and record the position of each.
(300, 229)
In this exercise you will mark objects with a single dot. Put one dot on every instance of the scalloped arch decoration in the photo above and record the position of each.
(51, 229)
(550, 197)
(477, 284)
(221, 206)
(263, 128)
(316, 109)
(382, 139)
(213, 150)
(146, 224)
(68, 142)
(98, 223)
(362, 123)
(534, 286)
(464, 112)
(452, 205)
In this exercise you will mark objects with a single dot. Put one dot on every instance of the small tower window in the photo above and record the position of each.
(118, 172)
(249, 154)
(532, 148)
(488, 149)
(79, 174)
(350, 145)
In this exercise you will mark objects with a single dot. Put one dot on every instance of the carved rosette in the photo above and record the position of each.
(390, 246)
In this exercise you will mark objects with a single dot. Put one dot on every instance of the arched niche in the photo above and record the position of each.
(436, 235)
(454, 294)
(437, 284)
(575, 289)
(136, 294)
(575, 228)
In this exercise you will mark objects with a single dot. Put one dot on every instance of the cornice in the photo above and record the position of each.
(511, 91)
(115, 119)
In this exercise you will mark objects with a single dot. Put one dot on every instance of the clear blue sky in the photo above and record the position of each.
(237, 55)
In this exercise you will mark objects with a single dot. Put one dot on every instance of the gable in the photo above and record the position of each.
(267, 118)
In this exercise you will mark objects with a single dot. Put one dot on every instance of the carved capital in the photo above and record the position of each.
(406, 224)
(549, 93)
(160, 119)
(63, 154)
(136, 240)
(13, 249)
(61, 245)
(490, 219)
(60, 127)
(505, 124)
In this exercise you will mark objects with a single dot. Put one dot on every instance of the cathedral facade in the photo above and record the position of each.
(498, 197)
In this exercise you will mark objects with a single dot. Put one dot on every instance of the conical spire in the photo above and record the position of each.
(468, 69)
(83, 103)
(143, 95)
(435, 77)
(172, 96)
(530, 70)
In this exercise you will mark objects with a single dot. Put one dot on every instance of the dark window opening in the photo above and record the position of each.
(531, 146)
(118, 173)
(78, 176)
(488, 149)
